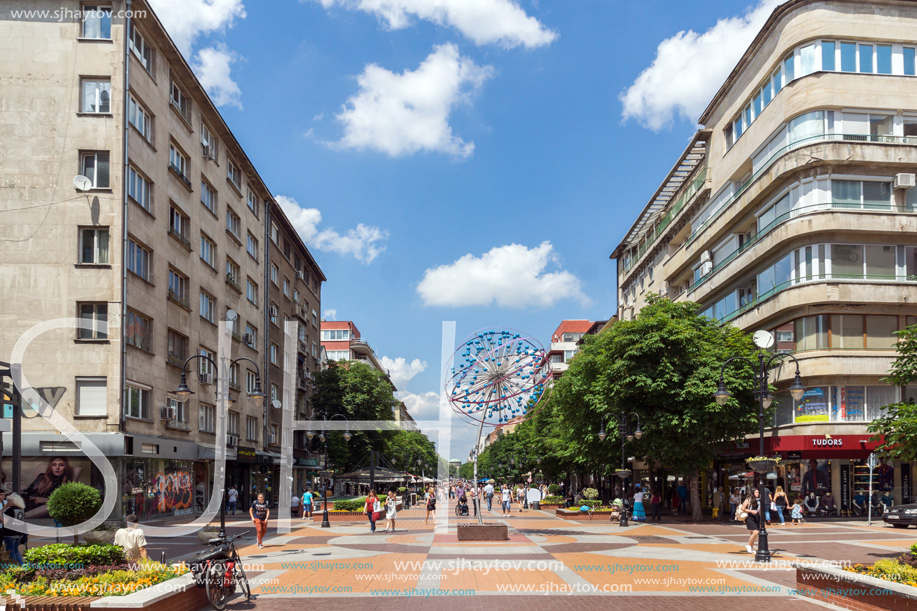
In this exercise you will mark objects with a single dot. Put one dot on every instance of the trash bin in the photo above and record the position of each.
(536, 505)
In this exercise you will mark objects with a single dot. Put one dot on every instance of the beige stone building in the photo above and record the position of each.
(793, 210)
(126, 199)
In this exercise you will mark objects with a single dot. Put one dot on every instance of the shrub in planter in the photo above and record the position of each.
(402, 490)
(533, 486)
(552, 500)
(77, 555)
(356, 504)
(591, 503)
(590, 493)
(73, 504)
(553, 489)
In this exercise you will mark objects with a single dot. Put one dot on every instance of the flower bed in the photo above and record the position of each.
(901, 569)
(854, 590)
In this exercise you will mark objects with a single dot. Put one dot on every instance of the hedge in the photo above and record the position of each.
(83, 555)
(356, 504)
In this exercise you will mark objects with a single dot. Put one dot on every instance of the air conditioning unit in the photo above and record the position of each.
(209, 153)
(167, 413)
(248, 340)
(273, 310)
(904, 181)
(232, 440)
(206, 378)
(300, 275)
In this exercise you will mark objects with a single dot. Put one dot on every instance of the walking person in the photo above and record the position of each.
(733, 504)
(506, 500)
(752, 506)
(639, 513)
(307, 504)
(232, 496)
(372, 508)
(390, 512)
(655, 503)
(797, 512)
(781, 500)
(682, 497)
(489, 494)
(259, 513)
(430, 498)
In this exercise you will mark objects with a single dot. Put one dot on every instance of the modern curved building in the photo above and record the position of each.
(794, 210)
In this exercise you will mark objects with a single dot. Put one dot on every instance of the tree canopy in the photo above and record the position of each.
(896, 429)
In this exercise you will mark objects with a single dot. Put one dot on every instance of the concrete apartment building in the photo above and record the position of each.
(793, 210)
(167, 234)
(565, 343)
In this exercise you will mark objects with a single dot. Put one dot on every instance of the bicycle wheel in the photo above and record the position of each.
(242, 580)
(216, 591)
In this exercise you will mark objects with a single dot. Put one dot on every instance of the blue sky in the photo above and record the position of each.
(466, 160)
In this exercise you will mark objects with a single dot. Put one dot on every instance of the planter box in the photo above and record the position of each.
(342, 516)
(572, 514)
(478, 532)
(854, 591)
(179, 594)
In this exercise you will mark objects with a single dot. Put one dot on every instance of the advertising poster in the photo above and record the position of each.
(845, 487)
(813, 407)
(793, 479)
(42, 476)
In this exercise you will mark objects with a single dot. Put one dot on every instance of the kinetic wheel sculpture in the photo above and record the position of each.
(498, 376)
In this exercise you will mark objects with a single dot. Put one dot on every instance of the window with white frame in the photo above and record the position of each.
(180, 409)
(274, 273)
(95, 167)
(250, 379)
(232, 424)
(275, 233)
(233, 174)
(234, 373)
(140, 189)
(274, 436)
(208, 143)
(178, 161)
(137, 401)
(96, 96)
(273, 313)
(208, 196)
(208, 251)
(94, 245)
(314, 318)
(208, 307)
(94, 321)
(275, 393)
(335, 335)
(140, 118)
(232, 271)
(96, 22)
(206, 420)
(91, 397)
(286, 288)
(251, 291)
(338, 355)
(252, 330)
(179, 225)
(138, 259)
(206, 367)
(253, 202)
(274, 352)
(233, 223)
(139, 330)
(178, 285)
(251, 246)
(251, 428)
(142, 51)
(177, 347)
(180, 101)
(295, 296)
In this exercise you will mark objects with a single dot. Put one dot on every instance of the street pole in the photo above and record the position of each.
(763, 553)
(871, 463)
(325, 522)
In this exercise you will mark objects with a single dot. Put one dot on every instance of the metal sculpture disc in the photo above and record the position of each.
(497, 376)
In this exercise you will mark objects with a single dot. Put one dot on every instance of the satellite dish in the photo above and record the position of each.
(763, 339)
(231, 315)
(276, 404)
(82, 183)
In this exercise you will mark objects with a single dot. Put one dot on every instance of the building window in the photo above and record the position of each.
(253, 204)
(338, 355)
(251, 291)
(273, 314)
(96, 94)
(141, 49)
(137, 402)
(274, 273)
(94, 318)
(208, 251)
(140, 118)
(180, 101)
(91, 397)
(178, 162)
(314, 318)
(179, 226)
(208, 196)
(208, 307)
(274, 352)
(273, 439)
(232, 271)
(275, 393)
(208, 143)
(139, 330)
(178, 348)
(251, 428)
(295, 296)
(178, 287)
(94, 246)
(252, 331)
(252, 246)
(140, 189)
(335, 335)
(138, 259)
(206, 367)
(286, 288)
(96, 22)
(234, 373)
(181, 410)
(275, 233)
(250, 382)
(207, 418)
(232, 425)
(234, 174)
(232, 223)
(94, 166)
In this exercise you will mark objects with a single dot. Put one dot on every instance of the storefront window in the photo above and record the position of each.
(813, 407)
(159, 487)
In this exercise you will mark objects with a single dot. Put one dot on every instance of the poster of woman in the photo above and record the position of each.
(56, 473)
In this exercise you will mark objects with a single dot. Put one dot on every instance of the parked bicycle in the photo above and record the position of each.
(219, 569)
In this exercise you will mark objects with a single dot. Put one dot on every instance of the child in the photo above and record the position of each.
(797, 511)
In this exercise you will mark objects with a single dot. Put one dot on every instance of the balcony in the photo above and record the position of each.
(177, 172)
(178, 299)
(176, 360)
(233, 283)
(180, 237)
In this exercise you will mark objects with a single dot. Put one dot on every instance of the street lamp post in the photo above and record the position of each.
(763, 340)
(324, 439)
(256, 395)
(623, 473)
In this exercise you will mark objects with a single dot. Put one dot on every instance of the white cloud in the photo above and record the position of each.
(212, 70)
(362, 242)
(424, 406)
(500, 22)
(330, 314)
(188, 20)
(510, 276)
(401, 114)
(185, 20)
(401, 371)
(689, 69)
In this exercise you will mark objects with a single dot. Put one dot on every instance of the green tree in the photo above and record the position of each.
(664, 366)
(896, 429)
(73, 504)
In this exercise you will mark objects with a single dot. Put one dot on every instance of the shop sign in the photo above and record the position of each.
(813, 407)
(310, 462)
(794, 455)
(244, 454)
(828, 442)
(183, 512)
(905, 483)
(845, 487)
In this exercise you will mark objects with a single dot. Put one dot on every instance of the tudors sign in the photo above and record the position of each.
(834, 442)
